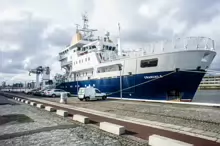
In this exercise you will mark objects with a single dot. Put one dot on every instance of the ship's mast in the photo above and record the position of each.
(85, 20)
(87, 33)
(119, 39)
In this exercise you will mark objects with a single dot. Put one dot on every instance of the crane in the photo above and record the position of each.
(45, 71)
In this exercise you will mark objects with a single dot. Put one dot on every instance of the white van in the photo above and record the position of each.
(90, 93)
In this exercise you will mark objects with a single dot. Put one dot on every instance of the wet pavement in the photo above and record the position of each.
(4, 101)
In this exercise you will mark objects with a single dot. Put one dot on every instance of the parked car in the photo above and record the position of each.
(30, 91)
(35, 92)
(90, 94)
(43, 93)
(39, 92)
(56, 92)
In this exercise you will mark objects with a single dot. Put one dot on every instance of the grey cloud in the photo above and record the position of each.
(17, 66)
(60, 36)
(197, 11)
(13, 68)
(140, 36)
(145, 29)
(25, 33)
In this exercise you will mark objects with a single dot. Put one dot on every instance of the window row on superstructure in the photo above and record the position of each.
(81, 61)
(84, 73)
(105, 47)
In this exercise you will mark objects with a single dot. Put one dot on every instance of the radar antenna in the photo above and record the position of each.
(87, 33)
(85, 21)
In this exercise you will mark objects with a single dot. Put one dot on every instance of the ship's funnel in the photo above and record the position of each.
(76, 38)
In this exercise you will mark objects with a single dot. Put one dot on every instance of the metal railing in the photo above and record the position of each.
(189, 43)
(61, 57)
(65, 63)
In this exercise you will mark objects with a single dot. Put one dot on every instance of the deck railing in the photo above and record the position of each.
(189, 43)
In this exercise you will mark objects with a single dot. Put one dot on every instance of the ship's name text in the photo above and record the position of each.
(152, 77)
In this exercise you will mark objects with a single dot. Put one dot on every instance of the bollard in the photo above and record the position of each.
(112, 128)
(62, 113)
(50, 109)
(157, 140)
(27, 102)
(63, 98)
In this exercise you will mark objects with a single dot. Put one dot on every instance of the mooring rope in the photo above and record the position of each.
(205, 71)
(143, 83)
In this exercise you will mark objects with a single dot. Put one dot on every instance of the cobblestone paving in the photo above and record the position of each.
(81, 135)
(41, 119)
(74, 136)
(204, 118)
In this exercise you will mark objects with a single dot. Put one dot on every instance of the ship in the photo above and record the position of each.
(165, 70)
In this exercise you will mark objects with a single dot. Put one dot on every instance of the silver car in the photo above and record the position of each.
(43, 93)
(56, 92)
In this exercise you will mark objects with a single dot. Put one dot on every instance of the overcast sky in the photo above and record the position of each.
(32, 32)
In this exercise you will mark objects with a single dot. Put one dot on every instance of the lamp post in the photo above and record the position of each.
(120, 69)
(77, 85)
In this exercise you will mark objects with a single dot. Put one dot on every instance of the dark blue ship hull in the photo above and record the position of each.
(181, 85)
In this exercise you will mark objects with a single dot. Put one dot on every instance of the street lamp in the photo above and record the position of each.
(120, 69)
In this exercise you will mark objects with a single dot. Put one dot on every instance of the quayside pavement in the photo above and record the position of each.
(147, 120)
(41, 127)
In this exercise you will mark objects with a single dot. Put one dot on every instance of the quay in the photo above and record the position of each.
(194, 124)
(23, 124)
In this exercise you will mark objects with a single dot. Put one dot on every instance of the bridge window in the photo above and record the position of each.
(149, 63)
(88, 58)
(93, 47)
(110, 48)
(85, 59)
(113, 48)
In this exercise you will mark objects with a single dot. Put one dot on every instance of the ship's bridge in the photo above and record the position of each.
(99, 46)
(105, 51)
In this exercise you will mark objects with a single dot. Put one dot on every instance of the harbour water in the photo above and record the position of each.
(207, 96)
